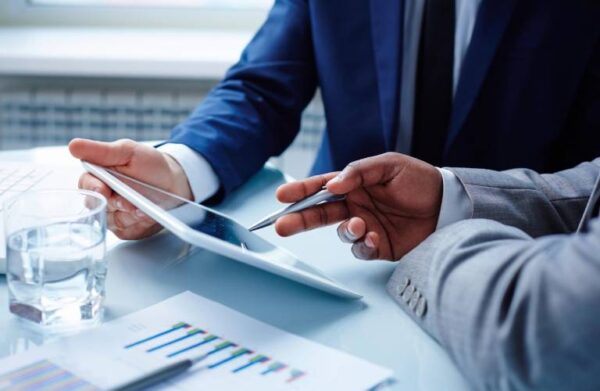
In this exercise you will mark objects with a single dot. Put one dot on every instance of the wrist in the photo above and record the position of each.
(438, 196)
(433, 191)
(179, 180)
(456, 204)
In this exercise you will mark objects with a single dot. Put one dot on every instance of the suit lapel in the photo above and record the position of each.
(387, 20)
(492, 20)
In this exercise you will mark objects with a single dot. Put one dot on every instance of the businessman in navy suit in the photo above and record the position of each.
(480, 83)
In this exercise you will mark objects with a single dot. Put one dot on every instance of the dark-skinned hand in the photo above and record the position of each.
(392, 205)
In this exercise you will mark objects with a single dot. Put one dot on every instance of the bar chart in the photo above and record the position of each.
(43, 375)
(182, 340)
(230, 351)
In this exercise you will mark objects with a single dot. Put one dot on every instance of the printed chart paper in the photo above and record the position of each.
(235, 351)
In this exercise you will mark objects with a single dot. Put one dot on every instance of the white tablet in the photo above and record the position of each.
(211, 230)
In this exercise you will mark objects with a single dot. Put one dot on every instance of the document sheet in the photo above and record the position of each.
(234, 352)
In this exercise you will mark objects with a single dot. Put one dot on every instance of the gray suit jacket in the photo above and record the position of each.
(515, 303)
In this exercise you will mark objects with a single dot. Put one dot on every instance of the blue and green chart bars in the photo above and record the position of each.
(184, 339)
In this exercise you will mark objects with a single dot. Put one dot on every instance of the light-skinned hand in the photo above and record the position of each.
(392, 205)
(138, 161)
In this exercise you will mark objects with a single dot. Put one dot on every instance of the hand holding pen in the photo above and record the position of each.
(392, 204)
(321, 198)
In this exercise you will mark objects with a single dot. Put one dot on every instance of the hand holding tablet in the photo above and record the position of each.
(136, 160)
(206, 228)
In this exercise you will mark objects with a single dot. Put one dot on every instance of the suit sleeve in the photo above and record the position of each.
(539, 204)
(514, 313)
(255, 112)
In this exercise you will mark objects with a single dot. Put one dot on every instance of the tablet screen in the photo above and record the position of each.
(215, 224)
(196, 216)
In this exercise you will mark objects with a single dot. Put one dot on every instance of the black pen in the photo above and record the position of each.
(158, 375)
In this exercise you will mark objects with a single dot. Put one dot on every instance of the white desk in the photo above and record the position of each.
(146, 272)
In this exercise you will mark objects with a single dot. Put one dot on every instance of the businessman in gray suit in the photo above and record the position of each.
(501, 268)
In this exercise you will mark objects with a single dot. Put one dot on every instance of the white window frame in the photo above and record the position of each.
(213, 4)
(59, 13)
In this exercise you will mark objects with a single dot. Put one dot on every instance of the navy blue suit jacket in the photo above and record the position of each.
(528, 94)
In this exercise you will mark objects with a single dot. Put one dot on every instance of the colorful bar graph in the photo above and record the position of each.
(177, 326)
(190, 331)
(275, 367)
(235, 354)
(222, 346)
(41, 376)
(189, 334)
(207, 339)
(253, 361)
(295, 374)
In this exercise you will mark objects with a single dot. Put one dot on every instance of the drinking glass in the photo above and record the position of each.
(56, 267)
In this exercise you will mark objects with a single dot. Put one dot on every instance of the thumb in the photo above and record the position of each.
(367, 172)
(116, 153)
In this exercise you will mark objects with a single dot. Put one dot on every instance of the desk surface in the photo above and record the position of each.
(146, 272)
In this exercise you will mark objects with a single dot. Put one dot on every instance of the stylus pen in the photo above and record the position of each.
(157, 376)
(322, 197)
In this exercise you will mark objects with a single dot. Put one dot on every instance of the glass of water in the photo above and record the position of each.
(55, 256)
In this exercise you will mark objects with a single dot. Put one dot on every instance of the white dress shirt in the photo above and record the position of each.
(201, 176)
(455, 202)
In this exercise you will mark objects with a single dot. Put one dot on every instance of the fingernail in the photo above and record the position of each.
(351, 235)
(358, 250)
(119, 204)
(338, 178)
(369, 242)
(96, 189)
(139, 213)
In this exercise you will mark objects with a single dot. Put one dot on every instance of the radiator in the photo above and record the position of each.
(44, 112)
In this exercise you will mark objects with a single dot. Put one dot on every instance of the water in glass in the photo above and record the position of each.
(56, 271)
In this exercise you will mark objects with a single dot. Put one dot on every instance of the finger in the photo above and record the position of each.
(124, 220)
(110, 222)
(121, 221)
(142, 215)
(368, 172)
(143, 218)
(352, 230)
(315, 217)
(117, 153)
(90, 182)
(367, 249)
(113, 223)
(296, 191)
(118, 203)
(137, 233)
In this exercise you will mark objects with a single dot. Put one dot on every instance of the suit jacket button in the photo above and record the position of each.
(421, 307)
(402, 286)
(414, 300)
(408, 292)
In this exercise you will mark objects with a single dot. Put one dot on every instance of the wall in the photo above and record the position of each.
(37, 111)
(20, 13)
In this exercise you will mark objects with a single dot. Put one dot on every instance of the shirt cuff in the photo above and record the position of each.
(201, 176)
(456, 204)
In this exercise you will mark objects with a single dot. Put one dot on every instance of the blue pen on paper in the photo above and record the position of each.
(322, 197)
